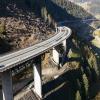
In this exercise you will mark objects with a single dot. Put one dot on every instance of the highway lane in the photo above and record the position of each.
(11, 60)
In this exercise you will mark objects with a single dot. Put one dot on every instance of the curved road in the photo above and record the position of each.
(11, 60)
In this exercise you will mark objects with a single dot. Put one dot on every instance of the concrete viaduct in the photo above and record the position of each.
(9, 61)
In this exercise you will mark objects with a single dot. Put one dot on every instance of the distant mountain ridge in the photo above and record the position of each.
(92, 6)
(85, 0)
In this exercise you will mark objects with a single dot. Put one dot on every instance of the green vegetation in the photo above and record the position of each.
(86, 83)
(73, 54)
(44, 13)
(78, 96)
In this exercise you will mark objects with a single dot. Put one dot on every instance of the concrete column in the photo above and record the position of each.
(55, 56)
(64, 45)
(37, 76)
(7, 89)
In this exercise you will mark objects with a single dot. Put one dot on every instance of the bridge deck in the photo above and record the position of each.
(13, 59)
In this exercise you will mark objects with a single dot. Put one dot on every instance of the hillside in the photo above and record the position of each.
(83, 50)
(20, 27)
(92, 6)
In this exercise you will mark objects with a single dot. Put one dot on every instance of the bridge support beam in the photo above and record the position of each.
(64, 52)
(37, 76)
(7, 89)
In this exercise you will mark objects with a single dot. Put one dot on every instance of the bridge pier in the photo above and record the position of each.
(64, 45)
(7, 88)
(58, 57)
(37, 76)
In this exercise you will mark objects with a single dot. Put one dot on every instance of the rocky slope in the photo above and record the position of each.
(20, 27)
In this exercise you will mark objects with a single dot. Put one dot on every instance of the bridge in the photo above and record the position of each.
(9, 61)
